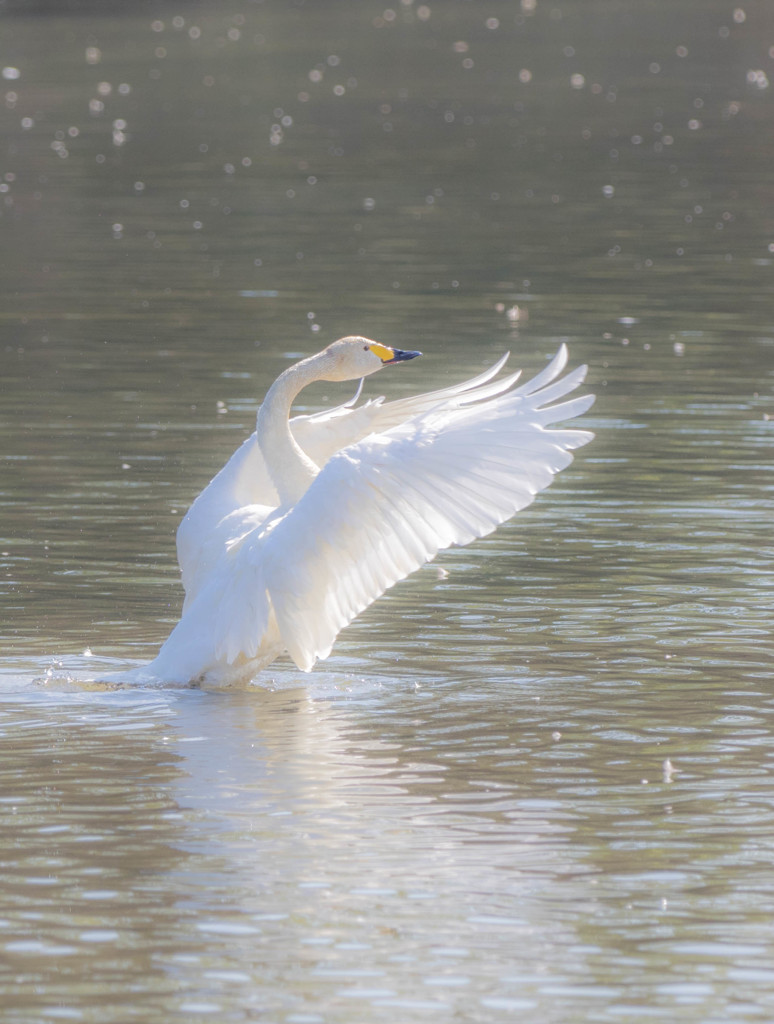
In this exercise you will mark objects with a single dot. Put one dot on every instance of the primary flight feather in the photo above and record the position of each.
(314, 517)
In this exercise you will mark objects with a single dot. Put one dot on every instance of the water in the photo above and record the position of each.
(537, 787)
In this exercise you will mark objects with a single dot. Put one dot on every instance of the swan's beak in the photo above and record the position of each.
(399, 355)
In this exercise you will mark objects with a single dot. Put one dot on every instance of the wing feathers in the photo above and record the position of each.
(546, 375)
(386, 505)
(423, 474)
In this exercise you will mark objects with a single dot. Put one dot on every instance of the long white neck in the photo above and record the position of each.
(290, 468)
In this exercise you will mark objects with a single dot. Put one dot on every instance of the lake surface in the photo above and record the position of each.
(535, 786)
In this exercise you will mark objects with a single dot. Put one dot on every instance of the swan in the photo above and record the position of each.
(314, 517)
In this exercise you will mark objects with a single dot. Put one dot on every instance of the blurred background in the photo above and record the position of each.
(193, 195)
(533, 785)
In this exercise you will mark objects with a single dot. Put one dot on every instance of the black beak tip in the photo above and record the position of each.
(401, 355)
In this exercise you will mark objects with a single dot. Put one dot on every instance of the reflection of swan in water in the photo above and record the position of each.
(313, 518)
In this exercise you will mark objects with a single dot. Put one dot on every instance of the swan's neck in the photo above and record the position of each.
(290, 468)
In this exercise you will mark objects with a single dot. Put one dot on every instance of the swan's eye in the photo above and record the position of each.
(365, 348)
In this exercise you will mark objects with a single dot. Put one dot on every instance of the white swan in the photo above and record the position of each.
(313, 518)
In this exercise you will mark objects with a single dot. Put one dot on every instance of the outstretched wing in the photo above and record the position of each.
(244, 481)
(386, 505)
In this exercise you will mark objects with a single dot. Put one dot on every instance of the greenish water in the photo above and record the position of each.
(537, 787)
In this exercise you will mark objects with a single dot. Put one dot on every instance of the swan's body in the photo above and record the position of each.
(313, 518)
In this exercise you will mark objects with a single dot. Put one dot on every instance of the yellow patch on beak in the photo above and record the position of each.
(384, 353)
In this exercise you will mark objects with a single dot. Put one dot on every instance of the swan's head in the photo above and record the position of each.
(353, 357)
